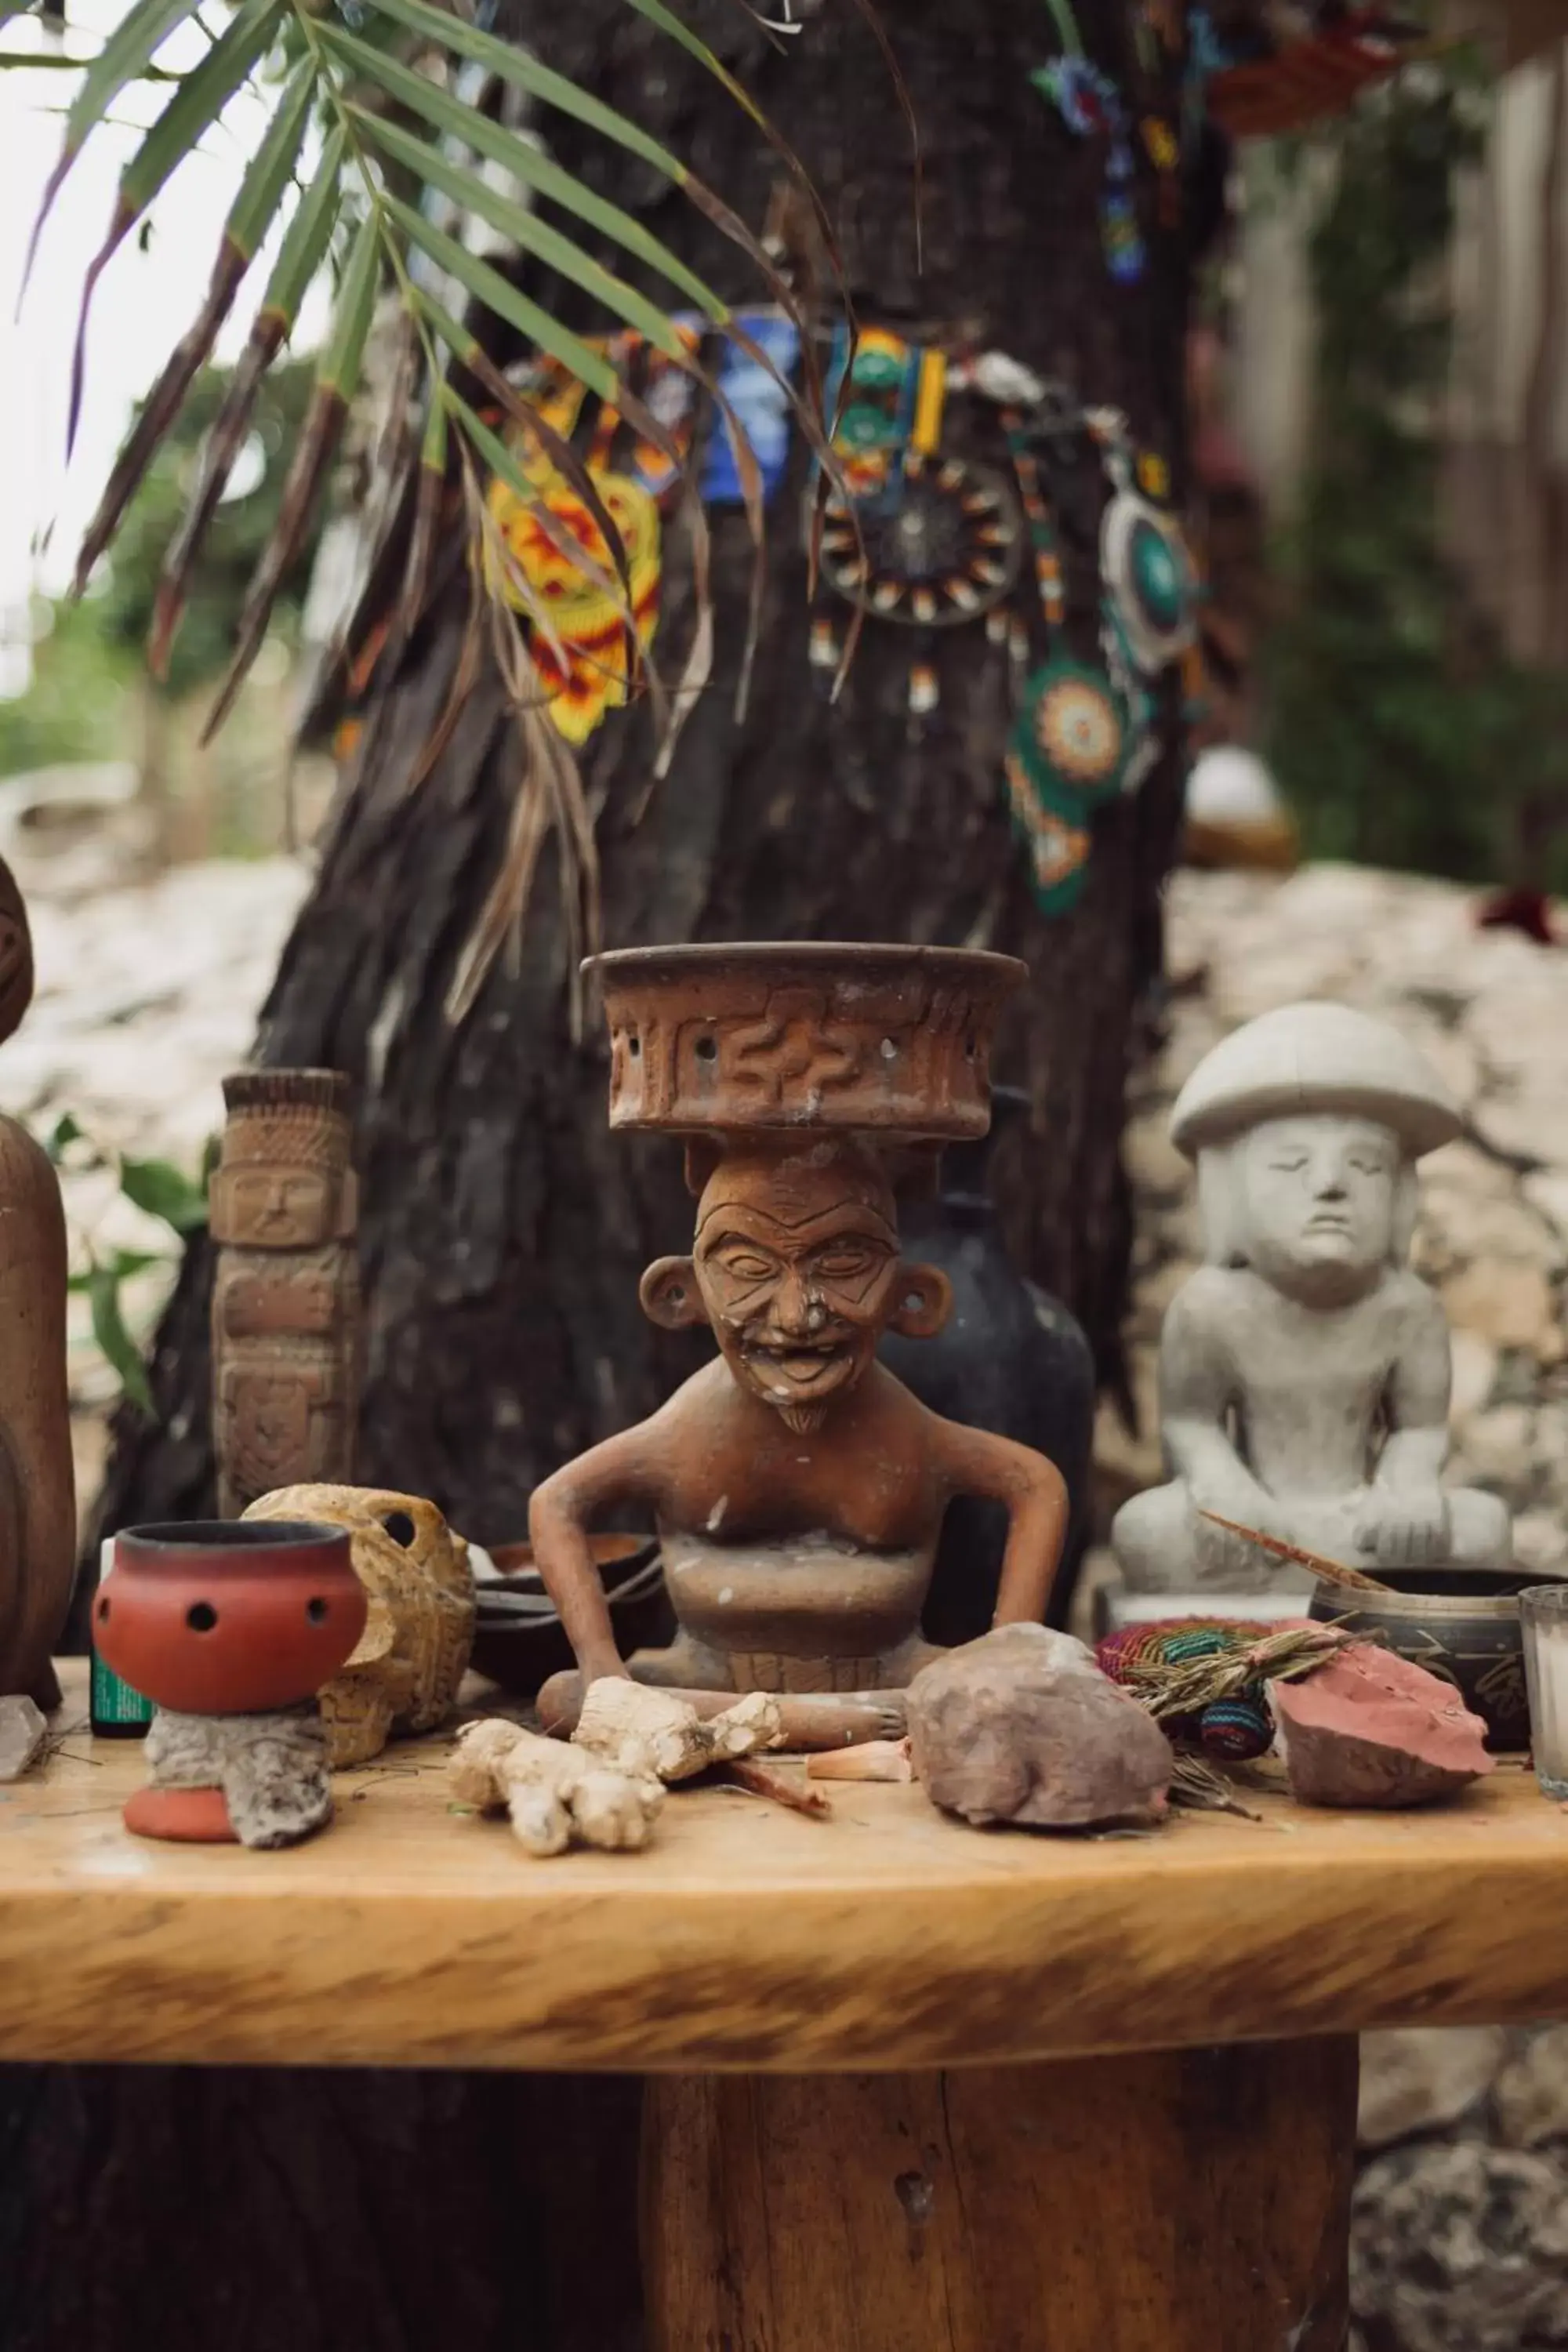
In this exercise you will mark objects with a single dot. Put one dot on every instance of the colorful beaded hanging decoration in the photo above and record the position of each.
(577, 635)
(1070, 739)
(1149, 618)
(1092, 107)
(1143, 560)
(1235, 1729)
(946, 553)
(923, 540)
(757, 399)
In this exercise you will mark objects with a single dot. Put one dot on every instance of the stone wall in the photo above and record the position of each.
(1461, 2215)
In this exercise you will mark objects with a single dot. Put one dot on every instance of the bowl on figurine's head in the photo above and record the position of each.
(889, 1041)
(229, 1616)
(1460, 1623)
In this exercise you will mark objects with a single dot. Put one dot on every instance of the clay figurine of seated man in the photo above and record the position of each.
(1304, 1370)
(798, 1486)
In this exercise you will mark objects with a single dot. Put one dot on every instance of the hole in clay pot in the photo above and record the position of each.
(400, 1527)
(707, 1049)
(971, 1047)
(890, 1051)
(316, 1611)
(913, 1301)
(633, 1047)
(201, 1616)
(103, 1610)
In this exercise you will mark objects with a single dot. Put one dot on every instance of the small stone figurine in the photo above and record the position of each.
(37, 1491)
(798, 1487)
(1304, 1368)
(286, 1299)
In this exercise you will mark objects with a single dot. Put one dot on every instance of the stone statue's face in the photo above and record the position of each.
(280, 1208)
(1320, 1197)
(797, 1274)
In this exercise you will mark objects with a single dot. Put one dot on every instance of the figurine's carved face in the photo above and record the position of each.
(796, 1267)
(280, 1208)
(1320, 1199)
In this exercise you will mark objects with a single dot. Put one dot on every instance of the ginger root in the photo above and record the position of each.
(557, 1795)
(602, 1787)
(653, 1734)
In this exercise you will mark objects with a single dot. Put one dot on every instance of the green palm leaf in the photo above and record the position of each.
(300, 255)
(198, 101)
(522, 159)
(337, 380)
(392, 128)
(526, 230)
(123, 58)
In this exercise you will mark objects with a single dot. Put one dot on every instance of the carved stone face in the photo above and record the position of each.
(796, 1267)
(279, 1208)
(1320, 1199)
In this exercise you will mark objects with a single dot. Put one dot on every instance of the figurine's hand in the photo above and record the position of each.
(1404, 1527)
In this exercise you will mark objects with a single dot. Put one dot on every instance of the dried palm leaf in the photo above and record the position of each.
(1332, 1571)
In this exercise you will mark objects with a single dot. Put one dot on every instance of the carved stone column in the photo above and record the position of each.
(286, 1297)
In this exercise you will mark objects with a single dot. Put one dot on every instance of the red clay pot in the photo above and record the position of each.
(227, 1616)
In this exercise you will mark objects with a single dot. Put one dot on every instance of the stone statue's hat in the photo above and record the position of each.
(1315, 1057)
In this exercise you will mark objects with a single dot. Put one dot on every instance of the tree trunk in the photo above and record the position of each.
(502, 1229)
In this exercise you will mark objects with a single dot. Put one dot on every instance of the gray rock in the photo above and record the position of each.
(23, 1732)
(1461, 2248)
(1022, 1727)
(1532, 2090)
(1425, 2078)
(272, 1769)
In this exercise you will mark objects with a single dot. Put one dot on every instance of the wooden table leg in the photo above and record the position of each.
(1183, 2202)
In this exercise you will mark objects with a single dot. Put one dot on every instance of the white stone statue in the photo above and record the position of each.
(1304, 1368)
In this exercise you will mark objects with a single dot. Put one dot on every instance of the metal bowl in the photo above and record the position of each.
(1460, 1623)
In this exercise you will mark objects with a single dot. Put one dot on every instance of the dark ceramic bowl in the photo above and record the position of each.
(518, 1639)
(227, 1616)
(1461, 1623)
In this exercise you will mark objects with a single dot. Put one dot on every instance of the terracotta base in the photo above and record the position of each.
(184, 1816)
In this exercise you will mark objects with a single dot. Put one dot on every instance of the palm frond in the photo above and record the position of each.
(393, 85)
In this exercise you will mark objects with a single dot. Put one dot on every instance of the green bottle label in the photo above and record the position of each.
(115, 1705)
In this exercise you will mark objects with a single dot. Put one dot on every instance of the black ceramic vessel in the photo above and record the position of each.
(1460, 1624)
(1010, 1360)
(518, 1639)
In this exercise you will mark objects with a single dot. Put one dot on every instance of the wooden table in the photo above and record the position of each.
(914, 2088)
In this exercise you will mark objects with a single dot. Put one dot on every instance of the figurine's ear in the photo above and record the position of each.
(669, 1295)
(923, 1302)
(703, 1154)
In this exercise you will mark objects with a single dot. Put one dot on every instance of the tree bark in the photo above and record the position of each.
(502, 1232)
(502, 1229)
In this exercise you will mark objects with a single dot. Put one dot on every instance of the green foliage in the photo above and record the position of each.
(87, 654)
(400, 109)
(73, 708)
(239, 532)
(1402, 735)
(159, 1190)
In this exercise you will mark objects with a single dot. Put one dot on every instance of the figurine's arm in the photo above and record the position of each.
(1417, 1443)
(974, 1462)
(1196, 1388)
(560, 1513)
(1408, 1522)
